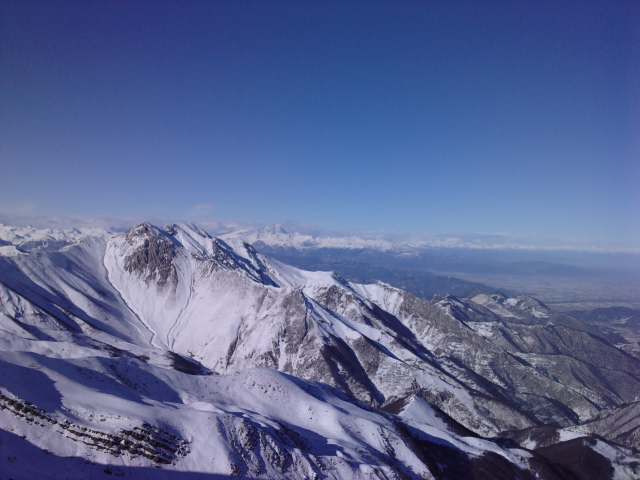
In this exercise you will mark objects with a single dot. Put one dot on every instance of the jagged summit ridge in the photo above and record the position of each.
(132, 325)
(155, 250)
(357, 335)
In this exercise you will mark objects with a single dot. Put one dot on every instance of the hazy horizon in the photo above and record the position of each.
(456, 239)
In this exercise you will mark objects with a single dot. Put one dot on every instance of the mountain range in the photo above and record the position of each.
(568, 277)
(165, 352)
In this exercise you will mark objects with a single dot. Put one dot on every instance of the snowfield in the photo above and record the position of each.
(168, 353)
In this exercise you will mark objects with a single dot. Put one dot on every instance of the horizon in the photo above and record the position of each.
(419, 119)
(392, 240)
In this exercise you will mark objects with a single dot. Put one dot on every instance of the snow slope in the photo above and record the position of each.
(166, 347)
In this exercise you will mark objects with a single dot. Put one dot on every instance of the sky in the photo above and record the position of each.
(491, 117)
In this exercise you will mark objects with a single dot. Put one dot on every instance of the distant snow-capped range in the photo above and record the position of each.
(298, 237)
(279, 236)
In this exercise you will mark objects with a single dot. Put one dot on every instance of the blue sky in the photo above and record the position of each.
(492, 117)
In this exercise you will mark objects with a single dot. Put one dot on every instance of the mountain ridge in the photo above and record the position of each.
(150, 297)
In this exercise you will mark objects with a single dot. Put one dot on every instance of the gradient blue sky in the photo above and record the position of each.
(510, 117)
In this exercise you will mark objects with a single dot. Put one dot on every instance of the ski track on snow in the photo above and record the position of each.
(171, 338)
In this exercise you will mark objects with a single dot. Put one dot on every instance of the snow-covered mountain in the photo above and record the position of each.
(166, 347)
(303, 238)
(278, 236)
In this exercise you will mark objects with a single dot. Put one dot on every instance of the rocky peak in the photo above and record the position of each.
(529, 305)
(464, 310)
(521, 306)
(152, 254)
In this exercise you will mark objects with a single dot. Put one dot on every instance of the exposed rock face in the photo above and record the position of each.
(152, 257)
(498, 363)
(143, 349)
(590, 458)
(620, 425)
(146, 441)
(513, 307)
